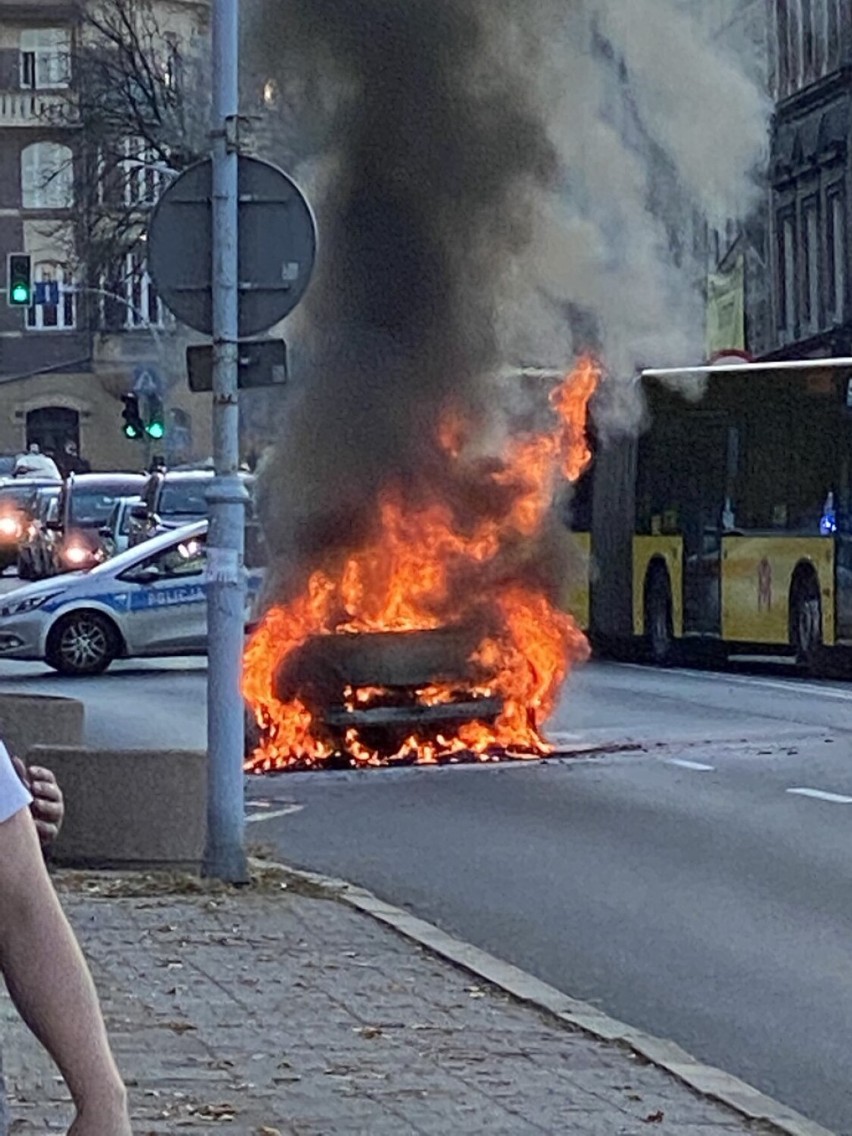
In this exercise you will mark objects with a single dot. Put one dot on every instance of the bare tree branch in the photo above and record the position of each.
(139, 110)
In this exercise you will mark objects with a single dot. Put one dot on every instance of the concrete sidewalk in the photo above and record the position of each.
(274, 1011)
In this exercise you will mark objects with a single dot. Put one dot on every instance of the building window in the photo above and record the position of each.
(142, 174)
(129, 299)
(818, 36)
(832, 34)
(809, 35)
(782, 48)
(54, 286)
(787, 274)
(789, 48)
(45, 58)
(171, 63)
(811, 239)
(794, 43)
(47, 176)
(836, 208)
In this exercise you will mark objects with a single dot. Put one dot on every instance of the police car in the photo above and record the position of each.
(148, 601)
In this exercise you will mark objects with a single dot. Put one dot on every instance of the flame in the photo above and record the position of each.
(406, 579)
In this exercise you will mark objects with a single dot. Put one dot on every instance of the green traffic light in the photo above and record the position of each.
(20, 294)
(156, 430)
(131, 431)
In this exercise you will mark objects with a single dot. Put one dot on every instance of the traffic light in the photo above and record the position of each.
(19, 280)
(156, 427)
(133, 426)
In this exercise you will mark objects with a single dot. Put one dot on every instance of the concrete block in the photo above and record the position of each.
(28, 720)
(129, 808)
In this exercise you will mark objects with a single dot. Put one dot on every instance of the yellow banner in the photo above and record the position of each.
(726, 310)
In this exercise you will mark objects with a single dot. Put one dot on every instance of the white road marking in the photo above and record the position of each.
(802, 687)
(682, 763)
(288, 811)
(821, 795)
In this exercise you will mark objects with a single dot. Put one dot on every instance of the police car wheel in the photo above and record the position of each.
(82, 643)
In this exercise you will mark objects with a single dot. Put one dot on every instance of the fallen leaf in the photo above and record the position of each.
(224, 1112)
(180, 1027)
(655, 1117)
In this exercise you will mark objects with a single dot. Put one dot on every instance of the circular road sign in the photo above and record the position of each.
(277, 246)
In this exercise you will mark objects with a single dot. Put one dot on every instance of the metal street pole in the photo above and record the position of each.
(224, 856)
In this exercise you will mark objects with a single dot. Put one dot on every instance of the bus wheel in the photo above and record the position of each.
(806, 622)
(659, 629)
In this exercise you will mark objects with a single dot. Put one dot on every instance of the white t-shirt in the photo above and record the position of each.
(13, 795)
(36, 465)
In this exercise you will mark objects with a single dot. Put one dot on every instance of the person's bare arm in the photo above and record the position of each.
(50, 983)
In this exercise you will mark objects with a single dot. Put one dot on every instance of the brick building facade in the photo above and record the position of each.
(810, 171)
(65, 363)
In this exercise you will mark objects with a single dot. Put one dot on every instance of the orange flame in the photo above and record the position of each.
(406, 579)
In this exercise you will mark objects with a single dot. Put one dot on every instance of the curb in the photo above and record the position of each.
(706, 1080)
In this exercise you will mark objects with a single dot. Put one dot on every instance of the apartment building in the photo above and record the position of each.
(94, 333)
(810, 175)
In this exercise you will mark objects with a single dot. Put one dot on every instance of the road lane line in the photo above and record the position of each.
(288, 811)
(682, 763)
(821, 795)
(785, 685)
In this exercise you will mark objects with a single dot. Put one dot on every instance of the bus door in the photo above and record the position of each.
(843, 537)
(712, 455)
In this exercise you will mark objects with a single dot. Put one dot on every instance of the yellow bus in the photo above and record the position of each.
(728, 521)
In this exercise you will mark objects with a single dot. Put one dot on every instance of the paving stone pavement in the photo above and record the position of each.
(270, 1013)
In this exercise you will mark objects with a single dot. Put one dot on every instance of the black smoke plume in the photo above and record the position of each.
(433, 151)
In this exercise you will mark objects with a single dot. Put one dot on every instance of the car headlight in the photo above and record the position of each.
(30, 603)
(10, 527)
(77, 554)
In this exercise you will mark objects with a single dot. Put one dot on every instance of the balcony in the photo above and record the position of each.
(37, 9)
(36, 108)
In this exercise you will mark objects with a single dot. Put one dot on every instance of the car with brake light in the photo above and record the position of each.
(149, 601)
(35, 551)
(85, 503)
(17, 502)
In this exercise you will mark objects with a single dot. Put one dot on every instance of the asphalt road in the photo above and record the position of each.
(683, 887)
(159, 703)
(681, 884)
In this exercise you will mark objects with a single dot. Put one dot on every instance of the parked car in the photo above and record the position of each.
(35, 550)
(85, 503)
(172, 498)
(148, 601)
(17, 502)
(115, 534)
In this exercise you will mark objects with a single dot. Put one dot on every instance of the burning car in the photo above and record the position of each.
(432, 641)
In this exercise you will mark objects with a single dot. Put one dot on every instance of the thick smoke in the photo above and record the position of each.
(493, 181)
